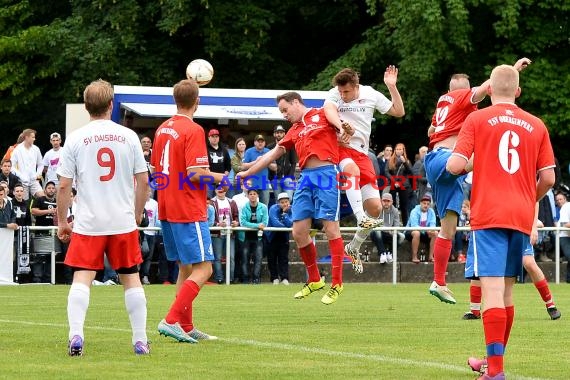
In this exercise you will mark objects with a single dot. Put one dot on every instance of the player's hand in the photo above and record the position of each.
(391, 75)
(64, 232)
(522, 63)
(534, 235)
(138, 219)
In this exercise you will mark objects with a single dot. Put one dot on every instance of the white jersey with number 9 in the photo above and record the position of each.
(103, 158)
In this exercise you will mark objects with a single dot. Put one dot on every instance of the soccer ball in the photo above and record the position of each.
(201, 71)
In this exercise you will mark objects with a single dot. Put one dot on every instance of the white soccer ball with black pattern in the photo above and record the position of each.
(201, 71)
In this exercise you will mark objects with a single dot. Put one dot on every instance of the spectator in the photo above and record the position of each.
(419, 171)
(564, 221)
(422, 216)
(10, 150)
(236, 160)
(218, 157)
(253, 215)
(383, 159)
(4, 185)
(391, 217)
(226, 214)
(241, 200)
(466, 185)
(148, 237)
(260, 181)
(211, 213)
(23, 219)
(226, 138)
(51, 158)
(560, 199)
(283, 179)
(27, 164)
(146, 144)
(44, 209)
(398, 171)
(167, 269)
(462, 237)
(280, 215)
(21, 207)
(546, 214)
(10, 178)
(7, 225)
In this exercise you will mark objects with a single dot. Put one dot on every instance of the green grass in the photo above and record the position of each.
(374, 331)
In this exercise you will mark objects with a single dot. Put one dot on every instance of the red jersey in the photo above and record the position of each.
(312, 136)
(451, 110)
(510, 147)
(180, 145)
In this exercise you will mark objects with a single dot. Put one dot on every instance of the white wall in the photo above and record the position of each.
(76, 116)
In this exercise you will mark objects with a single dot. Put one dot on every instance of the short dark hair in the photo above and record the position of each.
(290, 96)
(345, 76)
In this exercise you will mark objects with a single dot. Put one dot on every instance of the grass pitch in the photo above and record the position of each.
(374, 331)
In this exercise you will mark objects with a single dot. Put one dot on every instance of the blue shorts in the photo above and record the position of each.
(317, 195)
(447, 188)
(189, 243)
(496, 252)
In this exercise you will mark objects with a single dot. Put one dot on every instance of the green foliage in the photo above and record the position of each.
(49, 54)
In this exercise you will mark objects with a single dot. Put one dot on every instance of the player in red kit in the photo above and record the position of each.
(511, 149)
(317, 193)
(180, 166)
(452, 109)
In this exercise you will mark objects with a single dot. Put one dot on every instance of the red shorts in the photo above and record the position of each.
(85, 251)
(367, 173)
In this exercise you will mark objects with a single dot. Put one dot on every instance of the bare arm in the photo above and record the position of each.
(263, 162)
(390, 79)
(199, 174)
(482, 90)
(140, 194)
(545, 182)
(63, 199)
(456, 164)
(331, 112)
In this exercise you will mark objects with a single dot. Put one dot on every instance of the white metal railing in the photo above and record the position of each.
(229, 229)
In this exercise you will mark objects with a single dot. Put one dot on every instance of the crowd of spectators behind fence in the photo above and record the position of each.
(406, 201)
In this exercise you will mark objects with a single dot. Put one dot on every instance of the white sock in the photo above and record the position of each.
(359, 237)
(135, 301)
(77, 304)
(355, 199)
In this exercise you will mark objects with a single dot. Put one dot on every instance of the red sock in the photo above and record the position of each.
(309, 256)
(337, 253)
(510, 318)
(475, 299)
(544, 290)
(181, 309)
(494, 324)
(441, 252)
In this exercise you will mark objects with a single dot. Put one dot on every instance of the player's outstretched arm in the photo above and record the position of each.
(263, 162)
(390, 79)
(522, 64)
(331, 113)
(483, 89)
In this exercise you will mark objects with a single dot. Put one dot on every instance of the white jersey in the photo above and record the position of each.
(359, 113)
(151, 207)
(564, 218)
(51, 162)
(103, 158)
(27, 163)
